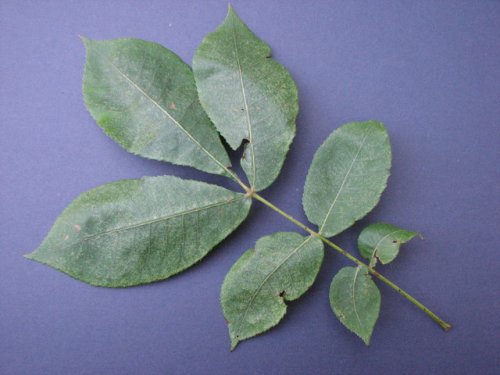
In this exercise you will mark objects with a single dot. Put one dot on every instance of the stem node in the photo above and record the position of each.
(250, 192)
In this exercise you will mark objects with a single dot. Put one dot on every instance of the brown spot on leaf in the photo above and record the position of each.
(282, 294)
(77, 227)
(66, 237)
(172, 106)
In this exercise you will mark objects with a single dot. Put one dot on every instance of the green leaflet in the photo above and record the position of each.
(138, 231)
(248, 96)
(347, 175)
(382, 241)
(280, 268)
(144, 97)
(355, 300)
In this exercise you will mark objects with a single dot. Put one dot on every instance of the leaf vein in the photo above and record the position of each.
(167, 114)
(380, 241)
(343, 182)
(353, 295)
(149, 222)
(257, 291)
(247, 112)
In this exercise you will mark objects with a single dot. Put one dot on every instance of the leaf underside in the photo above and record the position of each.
(144, 97)
(281, 268)
(382, 241)
(355, 300)
(248, 96)
(347, 175)
(133, 232)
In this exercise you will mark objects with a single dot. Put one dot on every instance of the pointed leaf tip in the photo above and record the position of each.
(83, 39)
(234, 344)
(231, 14)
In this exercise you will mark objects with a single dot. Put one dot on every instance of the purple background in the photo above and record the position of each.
(430, 70)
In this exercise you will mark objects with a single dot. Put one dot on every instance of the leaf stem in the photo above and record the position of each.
(233, 176)
(444, 325)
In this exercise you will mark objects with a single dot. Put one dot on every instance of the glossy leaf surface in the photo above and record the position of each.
(355, 300)
(248, 96)
(144, 97)
(138, 231)
(280, 268)
(347, 175)
(382, 241)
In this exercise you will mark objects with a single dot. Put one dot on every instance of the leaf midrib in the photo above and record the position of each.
(257, 291)
(343, 182)
(166, 113)
(354, 297)
(149, 222)
(249, 125)
(380, 241)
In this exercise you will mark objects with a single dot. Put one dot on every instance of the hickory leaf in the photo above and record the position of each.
(144, 97)
(133, 232)
(248, 96)
(280, 268)
(355, 300)
(138, 231)
(382, 241)
(347, 175)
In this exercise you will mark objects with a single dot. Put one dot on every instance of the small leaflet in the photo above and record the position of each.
(355, 300)
(382, 241)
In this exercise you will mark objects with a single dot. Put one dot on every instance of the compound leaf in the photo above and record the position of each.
(382, 241)
(144, 97)
(280, 268)
(347, 175)
(355, 300)
(248, 96)
(138, 231)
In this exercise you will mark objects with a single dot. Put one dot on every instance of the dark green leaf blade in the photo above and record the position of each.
(248, 96)
(382, 241)
(144, 97)
(355, 300)
(281, 268)
(133, 232)
(347, 175)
